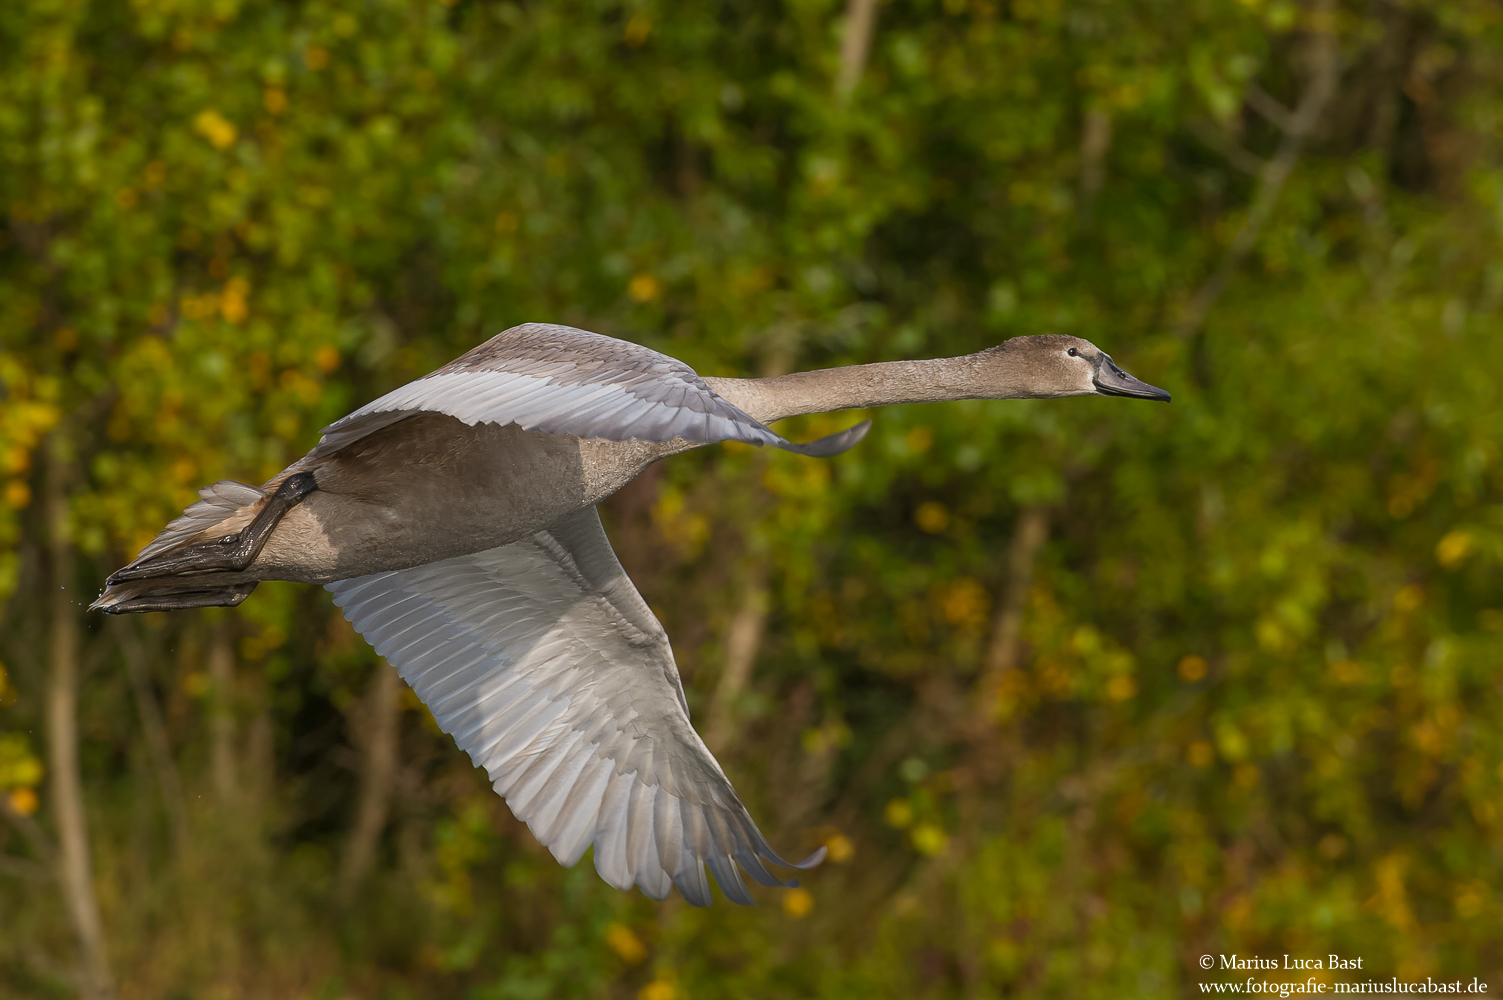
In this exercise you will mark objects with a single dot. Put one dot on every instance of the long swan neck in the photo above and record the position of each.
(983, 375)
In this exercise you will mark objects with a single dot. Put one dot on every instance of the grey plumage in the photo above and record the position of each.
(456, 519)
(545, 665)
(561, 380)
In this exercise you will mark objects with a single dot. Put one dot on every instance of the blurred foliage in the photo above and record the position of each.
(1257, 708)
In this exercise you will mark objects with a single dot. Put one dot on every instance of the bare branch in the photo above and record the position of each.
(1326, 60)
(39, 841)
(1268, 106)
(1028, 538)
(742, 643)
(20, 868)
(1095, 140)
(860, 21)
(744, 639)
(381, 732)
(1222, 143)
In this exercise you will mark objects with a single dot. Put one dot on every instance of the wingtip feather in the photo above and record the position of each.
(832, 444)
(814, 860)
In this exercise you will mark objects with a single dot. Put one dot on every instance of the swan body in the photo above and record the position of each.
(454, 520)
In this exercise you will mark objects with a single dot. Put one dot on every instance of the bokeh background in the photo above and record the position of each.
(1075, 691)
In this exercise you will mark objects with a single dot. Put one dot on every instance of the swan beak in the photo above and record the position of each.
(1113, 381)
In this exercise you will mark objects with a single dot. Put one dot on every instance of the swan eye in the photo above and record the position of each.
(1073, 353)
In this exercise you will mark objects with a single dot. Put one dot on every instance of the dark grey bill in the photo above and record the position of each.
(1113, 381)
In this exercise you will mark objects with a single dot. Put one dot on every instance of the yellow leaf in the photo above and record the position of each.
(232, 304)
(929, 839)
(644, 288)
(658, 989)
(932, 517)
(1192, 668)
(840, 847)
(17, 460)
(1471, 899)
(1408, 598)
(1347, 672)
(898, 813)
(24, 801)
(964, 603)
(638, 28)
(1453, 548)
(19, 768)
(625, 943)
(326, 357)
(214, 127)
(797, 903)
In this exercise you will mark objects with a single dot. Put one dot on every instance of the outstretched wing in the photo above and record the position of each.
(545, 665)
(567, 381)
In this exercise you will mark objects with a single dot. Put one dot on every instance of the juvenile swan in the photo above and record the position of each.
(454, 521)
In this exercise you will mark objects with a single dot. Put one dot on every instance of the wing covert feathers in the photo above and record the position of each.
(565, 381)
(545, 665)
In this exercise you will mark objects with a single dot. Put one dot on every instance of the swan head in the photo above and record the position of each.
(1059, 365)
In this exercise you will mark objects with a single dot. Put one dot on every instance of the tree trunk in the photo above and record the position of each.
(158, 747)
(221, 667)
(259, 759)
(381, 725)
(75, 870)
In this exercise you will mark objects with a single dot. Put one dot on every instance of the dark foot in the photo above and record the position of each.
(226, 597)
(232, 552)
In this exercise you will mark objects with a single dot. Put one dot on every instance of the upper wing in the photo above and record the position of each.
(567, 381)
(545, 665)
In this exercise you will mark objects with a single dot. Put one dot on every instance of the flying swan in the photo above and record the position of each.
(454, 519)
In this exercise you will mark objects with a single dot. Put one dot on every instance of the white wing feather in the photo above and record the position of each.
(546, 666)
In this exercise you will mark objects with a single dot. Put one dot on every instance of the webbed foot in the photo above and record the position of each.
(222, 597)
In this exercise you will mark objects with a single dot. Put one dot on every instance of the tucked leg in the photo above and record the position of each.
(224, 597)
(232, 552)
